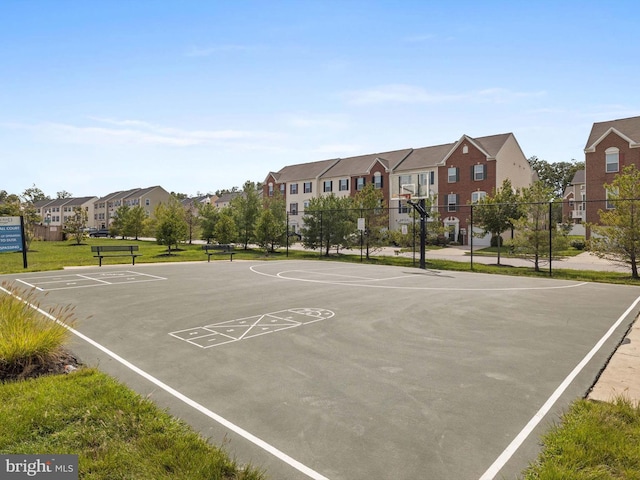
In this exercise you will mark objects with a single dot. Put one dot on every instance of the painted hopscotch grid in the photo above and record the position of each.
(76, 280)
(235, 330)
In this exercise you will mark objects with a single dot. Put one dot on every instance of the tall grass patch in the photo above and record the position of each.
(29, 340)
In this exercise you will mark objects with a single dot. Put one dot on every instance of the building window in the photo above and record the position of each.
(306, 204)
(377, 180)
(612, 160)
(465, 149)
(293, 188)
(612, 194)
(343, 185)
(147, 202)
(328, 186)
(283, 188)
(477, 196)
(307, 187)
(293, 208)
(452, 202)
(403, 207)
(360, 183)
(452, 174)
(270, 193)
(479, 172)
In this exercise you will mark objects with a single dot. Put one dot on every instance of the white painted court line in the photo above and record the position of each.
(501, 461)
(192, 403)
(98, 279)
(250, 326)
(283, 275)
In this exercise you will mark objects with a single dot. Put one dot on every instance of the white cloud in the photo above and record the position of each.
(128, 132)
(401, 93)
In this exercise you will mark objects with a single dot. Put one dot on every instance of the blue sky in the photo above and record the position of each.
(98, 96)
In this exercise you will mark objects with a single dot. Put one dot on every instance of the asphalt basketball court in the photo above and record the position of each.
(344, 371)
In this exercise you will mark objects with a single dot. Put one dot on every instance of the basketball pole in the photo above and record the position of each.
(421, 208)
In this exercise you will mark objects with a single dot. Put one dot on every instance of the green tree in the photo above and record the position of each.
(76, 224)
(225, 230)
(120, 221)
(171, 227)
(496, 213)
(276, 220)
(29, 198)
(246, 208)
(618, 237)
(192, 217)
(137, 222)
(328, 222)
(370, 201)
(556, 176)
(9, 204)
(208, 218)
(536, 225)
(64, 194)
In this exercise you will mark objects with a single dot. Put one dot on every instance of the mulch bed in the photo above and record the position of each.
(64, 362)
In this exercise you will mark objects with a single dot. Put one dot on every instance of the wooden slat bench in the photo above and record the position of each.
(220, 249)
(100, 251)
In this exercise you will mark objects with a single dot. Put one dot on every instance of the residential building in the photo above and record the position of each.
(54, 214)
(298, 184)
(611, 146)
(573, 203)
(453, 175)
(147, 198)
(473, 169)
(224, 200)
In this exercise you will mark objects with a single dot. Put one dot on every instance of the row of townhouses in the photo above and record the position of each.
(455, 174)
(460, 173)
(100, 210)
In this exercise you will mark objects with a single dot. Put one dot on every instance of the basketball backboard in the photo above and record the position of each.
(409, 191)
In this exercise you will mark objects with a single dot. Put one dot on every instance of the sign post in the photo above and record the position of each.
(12, 237)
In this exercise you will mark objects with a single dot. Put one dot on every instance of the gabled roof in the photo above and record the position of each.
(627, 128)
(140, 192)
(579, 177)
(490, 145)
(424, 157)
(303, 171)
(363, 164)
(227, 197)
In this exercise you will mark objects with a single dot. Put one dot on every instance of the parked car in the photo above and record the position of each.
(102, 232)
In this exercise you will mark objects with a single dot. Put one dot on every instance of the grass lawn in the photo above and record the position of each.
(116, 433)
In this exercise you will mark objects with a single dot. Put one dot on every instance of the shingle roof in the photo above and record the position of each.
(361, 164)
(579, 177)
(493, 143)
(303, 171)
(629, 127)
(424, 157)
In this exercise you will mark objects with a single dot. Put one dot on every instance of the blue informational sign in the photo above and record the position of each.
(10, 234)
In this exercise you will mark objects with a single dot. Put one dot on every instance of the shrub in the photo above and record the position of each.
(578, 244)
(29, 340)
(496, 240)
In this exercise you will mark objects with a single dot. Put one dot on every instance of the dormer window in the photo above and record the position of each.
(465, 149)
